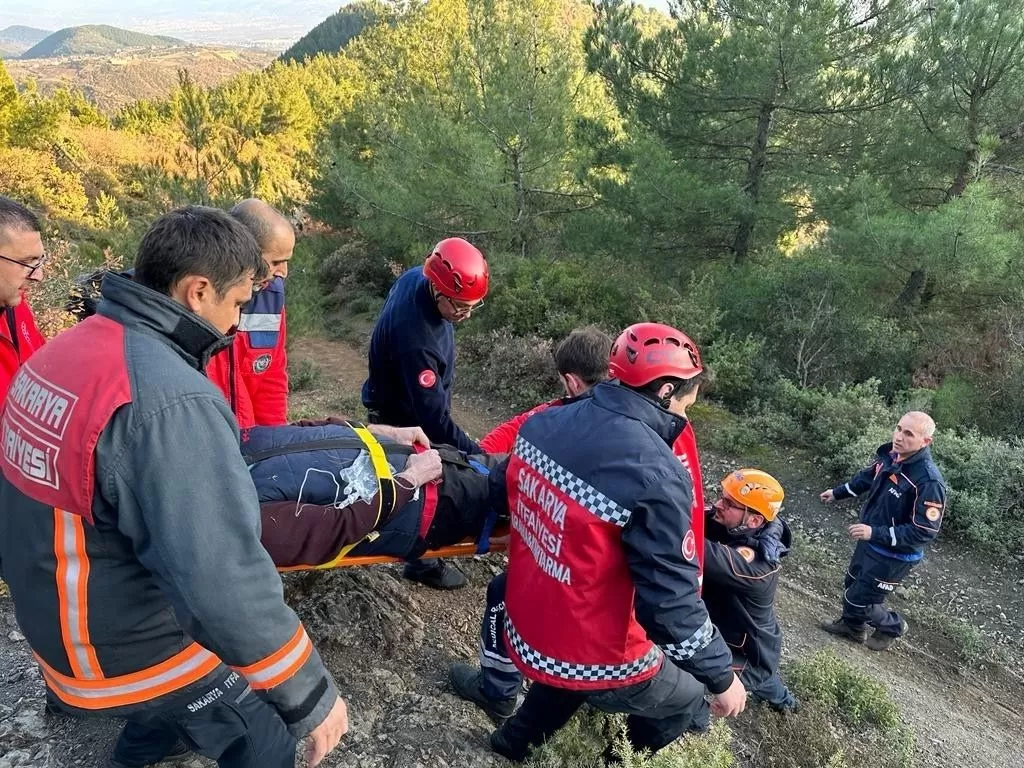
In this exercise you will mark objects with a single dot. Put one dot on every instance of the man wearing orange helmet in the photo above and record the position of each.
(412, 360)
(746, 541)
(602, 583)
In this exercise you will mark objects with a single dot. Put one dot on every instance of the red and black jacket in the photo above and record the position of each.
(603, 564)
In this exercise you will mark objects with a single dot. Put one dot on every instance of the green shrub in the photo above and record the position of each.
(737, 365)
(985, 477)
(355, 268)
(843, 428)
(305, 299)
(857, 698)
(583, 742)
(515, 370)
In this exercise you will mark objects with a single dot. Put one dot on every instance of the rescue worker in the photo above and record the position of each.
(602, 574)
(412, 360)
(253, 371)
(581, 359)
(495, 685)
(901, 515)
(21, 266)
(141, 592)
(746, 541)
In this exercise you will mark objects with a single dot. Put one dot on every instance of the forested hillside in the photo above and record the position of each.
(824, 194)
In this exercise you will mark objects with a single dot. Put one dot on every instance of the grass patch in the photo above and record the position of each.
(847, 719)
(303, 375)
(583, 742)
(970, 645)
(320, 403)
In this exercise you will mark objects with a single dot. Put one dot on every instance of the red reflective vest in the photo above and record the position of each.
(253, 372)
(685, 447)
(19, 338)
(51, 423)
(616, 647)
(502, 439)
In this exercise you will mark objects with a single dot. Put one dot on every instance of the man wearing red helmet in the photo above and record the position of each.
(602, 577)
(412, 359)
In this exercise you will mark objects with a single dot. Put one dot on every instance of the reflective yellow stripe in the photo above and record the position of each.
(380, 466)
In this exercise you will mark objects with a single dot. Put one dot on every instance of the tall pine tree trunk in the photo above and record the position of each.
(756, 165)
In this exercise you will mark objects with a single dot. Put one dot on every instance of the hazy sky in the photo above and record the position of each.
(189, 19)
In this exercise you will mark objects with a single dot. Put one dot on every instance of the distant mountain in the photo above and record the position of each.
(95, 39)
(333, 33)
(111, 82)
(15, 40)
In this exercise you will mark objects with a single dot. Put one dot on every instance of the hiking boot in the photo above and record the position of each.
(840, 628)
(880, 641)
(434, 573)
(179, 752)
(465, 682)
(788, 707)
(517, 753)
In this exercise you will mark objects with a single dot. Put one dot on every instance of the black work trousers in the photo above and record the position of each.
(226, 722)
(659, 710)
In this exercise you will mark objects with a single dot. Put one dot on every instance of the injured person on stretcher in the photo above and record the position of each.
(333, 490)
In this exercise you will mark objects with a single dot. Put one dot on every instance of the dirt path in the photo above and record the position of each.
(389, 642)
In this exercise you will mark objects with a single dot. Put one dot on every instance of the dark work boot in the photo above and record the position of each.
(179, 752)
(516, 752)
(840, 628)
(465, 681)
(880, 641)
(434, 573)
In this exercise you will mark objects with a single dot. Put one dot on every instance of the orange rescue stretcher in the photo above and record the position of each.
(466, 548)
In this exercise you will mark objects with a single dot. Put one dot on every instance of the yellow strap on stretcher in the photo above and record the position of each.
(386, 496)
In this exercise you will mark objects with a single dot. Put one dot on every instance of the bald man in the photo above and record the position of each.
(905, 497)
(253, 372)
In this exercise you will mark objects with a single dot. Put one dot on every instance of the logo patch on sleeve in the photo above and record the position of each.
(932, 510)
(261, 363)
(690, 546)
(746, 553)
(427, 378)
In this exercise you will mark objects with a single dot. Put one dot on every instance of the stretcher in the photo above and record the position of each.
(466, 548)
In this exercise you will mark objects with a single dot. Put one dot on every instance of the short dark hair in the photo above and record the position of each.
(584, 352)
(15, 216)
(196, 240)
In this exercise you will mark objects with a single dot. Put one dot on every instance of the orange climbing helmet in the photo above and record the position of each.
(756, 490)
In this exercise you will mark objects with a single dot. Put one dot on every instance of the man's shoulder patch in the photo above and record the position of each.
(261, 363)
(746, 553)
(427, 378)
(933, 510)
(690, 546)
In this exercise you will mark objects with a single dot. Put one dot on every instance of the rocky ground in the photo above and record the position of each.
(389, 642)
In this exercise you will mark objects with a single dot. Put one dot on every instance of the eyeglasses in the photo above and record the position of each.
(30, 267)
(459, 308)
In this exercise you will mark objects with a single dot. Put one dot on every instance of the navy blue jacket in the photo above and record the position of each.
(412, 364)
(620, 442)
(905, 502)
(741, 573)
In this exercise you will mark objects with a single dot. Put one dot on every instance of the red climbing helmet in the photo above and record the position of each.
(648, 351)
(457, 269)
